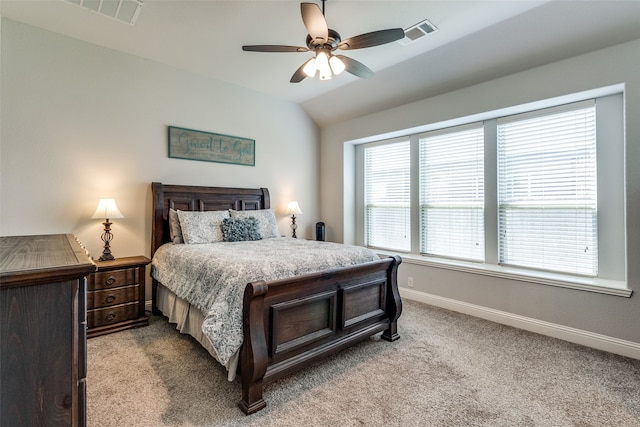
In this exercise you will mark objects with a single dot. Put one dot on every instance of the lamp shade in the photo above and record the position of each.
(107, 209)
(310, 67)
(337, 66)
(293, 209)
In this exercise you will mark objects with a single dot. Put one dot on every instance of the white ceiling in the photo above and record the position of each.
(476, 41)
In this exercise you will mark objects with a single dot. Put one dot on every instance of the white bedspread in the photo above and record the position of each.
(212, 277)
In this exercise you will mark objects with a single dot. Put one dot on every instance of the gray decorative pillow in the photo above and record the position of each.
(240, 229)
(268, 225)
(175, 232)
(201, 226)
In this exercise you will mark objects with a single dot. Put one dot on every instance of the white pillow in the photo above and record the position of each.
(202, 226)
(267, 223)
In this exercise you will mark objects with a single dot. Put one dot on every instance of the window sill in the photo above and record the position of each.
(602, 286)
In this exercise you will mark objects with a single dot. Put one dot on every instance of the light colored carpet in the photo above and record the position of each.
(447, 369)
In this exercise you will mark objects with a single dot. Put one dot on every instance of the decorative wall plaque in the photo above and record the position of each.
(211, 147)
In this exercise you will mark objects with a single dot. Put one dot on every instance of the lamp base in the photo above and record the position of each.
(294, 226)
(106, 237)
(106, 256)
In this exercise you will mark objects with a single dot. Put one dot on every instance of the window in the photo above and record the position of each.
(529, 192)
(387, 196)
(547, 200)
(452, 193)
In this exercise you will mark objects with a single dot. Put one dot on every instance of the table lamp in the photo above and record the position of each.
(293, 209)
(107, 209)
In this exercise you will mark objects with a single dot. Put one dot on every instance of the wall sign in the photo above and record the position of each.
(211, 147)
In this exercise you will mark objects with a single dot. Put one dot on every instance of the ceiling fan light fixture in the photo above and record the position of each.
(310, 69)
(322, 62)
(337, 66)
(325, 75)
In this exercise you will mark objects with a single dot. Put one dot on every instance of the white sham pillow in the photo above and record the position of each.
(268, 226)
(202, 226)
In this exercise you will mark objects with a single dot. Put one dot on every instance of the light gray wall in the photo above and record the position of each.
(81, 122)
(608, 315)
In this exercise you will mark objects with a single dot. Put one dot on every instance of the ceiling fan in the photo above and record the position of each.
(324, 41)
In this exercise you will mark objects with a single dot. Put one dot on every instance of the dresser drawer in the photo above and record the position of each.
(110, 297)
(113, 279)
(110, 315)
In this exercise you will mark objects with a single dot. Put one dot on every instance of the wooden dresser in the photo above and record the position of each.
(43, 361)
(116, 295)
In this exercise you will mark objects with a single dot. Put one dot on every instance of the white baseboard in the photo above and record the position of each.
(578, 336)
(147, 305)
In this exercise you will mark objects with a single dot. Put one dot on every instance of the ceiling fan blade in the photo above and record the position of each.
(274, 48)
(299, 75)
(314, 22)
(356, 68)
(375, 38)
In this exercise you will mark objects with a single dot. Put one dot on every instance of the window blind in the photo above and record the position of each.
(452, 193)
(547, 198)
(387, 196)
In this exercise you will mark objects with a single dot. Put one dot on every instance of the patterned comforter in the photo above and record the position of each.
(212, 277)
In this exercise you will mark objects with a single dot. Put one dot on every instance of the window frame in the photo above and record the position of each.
(422, 142)
(366, 204)
(517, 174)
(612, 278)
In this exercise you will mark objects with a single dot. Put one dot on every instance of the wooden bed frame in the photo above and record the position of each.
(289, 324)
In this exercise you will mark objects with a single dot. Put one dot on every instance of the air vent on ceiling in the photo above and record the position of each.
(417, 31)
(126, 11)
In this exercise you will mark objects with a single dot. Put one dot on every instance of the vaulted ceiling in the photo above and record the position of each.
(476, 41)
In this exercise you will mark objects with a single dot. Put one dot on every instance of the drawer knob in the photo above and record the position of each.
(111, 298)
(110, 316)
(111, 280)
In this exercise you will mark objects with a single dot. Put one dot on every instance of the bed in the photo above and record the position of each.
(287, 323)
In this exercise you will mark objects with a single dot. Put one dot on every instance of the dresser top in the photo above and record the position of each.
(43, 258)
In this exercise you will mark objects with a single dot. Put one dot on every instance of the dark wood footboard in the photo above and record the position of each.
(291, 323)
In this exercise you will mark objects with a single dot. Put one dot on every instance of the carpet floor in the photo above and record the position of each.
(447, 369)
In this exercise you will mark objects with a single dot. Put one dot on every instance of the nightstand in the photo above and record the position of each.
(116, 296)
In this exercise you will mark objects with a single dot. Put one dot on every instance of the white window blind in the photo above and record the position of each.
(387, 196)
(452, 193)
(547, 190)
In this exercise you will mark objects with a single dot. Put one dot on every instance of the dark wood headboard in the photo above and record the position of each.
(194, 198)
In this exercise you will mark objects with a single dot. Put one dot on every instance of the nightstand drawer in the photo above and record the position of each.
(113, 279)
(110, 297)
(115, 297)
(109, 315)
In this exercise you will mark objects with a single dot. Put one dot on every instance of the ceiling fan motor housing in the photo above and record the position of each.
(331, 43)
